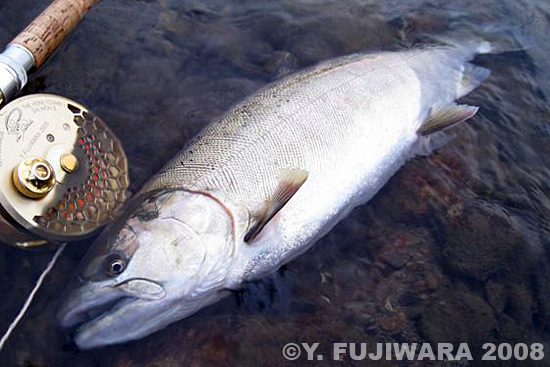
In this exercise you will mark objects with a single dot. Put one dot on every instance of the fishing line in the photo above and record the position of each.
(31, 295)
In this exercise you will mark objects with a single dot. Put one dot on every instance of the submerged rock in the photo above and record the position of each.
(497, 295)
(520, 305)
(481, 239)
(457, 317)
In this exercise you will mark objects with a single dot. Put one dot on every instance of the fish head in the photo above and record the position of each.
(166, 259)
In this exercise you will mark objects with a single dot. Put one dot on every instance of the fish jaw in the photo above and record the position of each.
(80, 303)
(126, 318)
(138, 318)
(104, 310)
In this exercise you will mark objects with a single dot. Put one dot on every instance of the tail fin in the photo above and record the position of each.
(457, 27)
(490, 38)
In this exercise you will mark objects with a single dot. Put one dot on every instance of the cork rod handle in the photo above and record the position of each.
(45, 33)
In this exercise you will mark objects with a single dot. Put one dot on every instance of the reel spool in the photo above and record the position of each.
(63, 173)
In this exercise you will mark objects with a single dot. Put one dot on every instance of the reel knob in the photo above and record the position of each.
(63, 173)
(34, 177)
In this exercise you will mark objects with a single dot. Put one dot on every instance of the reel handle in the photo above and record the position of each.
(47, 31)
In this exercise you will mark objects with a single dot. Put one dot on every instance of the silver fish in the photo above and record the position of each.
(257, 187)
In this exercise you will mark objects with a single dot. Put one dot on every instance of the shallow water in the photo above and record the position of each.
(455, 247)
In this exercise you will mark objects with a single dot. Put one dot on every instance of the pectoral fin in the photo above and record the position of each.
(289, 183)
(445, 115)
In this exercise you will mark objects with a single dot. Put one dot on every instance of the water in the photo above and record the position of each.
(454, 248)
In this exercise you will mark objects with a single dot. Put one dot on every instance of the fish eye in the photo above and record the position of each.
(115, 265)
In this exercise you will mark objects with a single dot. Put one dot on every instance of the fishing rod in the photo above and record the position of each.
(63, 172)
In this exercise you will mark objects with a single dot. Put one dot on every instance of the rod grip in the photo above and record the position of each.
(47, 31)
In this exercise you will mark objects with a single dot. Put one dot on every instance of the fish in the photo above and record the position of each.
(259, 185)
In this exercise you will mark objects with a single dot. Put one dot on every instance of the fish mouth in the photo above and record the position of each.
(80, 317)
(83, 307)
(98, 314)
(93, 301)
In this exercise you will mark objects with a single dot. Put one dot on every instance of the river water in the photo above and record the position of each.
(455, 248)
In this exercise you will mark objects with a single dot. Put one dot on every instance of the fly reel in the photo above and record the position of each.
(63, 173)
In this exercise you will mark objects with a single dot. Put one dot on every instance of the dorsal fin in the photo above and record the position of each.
(289, 183)
(445, 115)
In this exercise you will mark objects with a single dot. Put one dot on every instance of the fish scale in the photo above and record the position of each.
(329, 117)
(275, 129)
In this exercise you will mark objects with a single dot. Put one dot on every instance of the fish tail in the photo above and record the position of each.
(487, 39)
(461, 77)
(448, 70)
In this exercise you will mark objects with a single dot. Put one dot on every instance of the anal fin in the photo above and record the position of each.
(446, 115)
(472, 77)
(289, 183)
